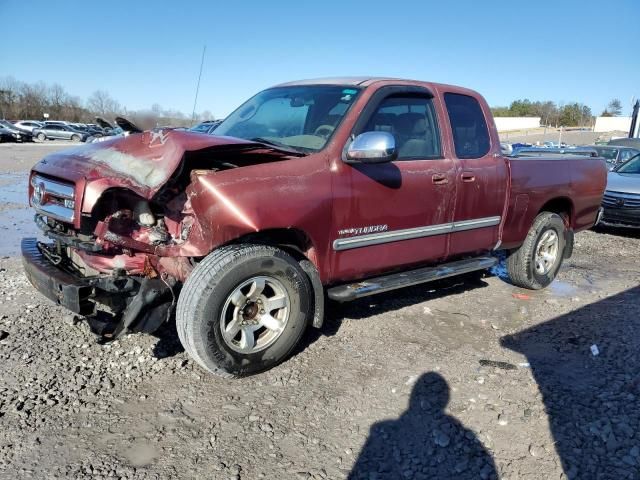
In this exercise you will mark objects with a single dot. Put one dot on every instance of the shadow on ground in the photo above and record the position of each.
(169, 344)
(363, 308)
(618, 231)
(424, 443)
(592, 401)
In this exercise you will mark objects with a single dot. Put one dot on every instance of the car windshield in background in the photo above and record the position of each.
(607, 153)
(632, 166)
(201, 128)
(302, 118)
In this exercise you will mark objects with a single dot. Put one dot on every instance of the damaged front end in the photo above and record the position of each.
(122, 233)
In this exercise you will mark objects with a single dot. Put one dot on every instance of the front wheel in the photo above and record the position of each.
(41, 137)
(536, 262)
(243, 309)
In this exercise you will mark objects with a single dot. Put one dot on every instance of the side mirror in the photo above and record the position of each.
(372, 147)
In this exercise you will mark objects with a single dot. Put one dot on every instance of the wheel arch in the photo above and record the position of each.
(563, 206)
(297, 243)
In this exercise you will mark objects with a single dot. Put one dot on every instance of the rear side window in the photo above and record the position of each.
(470, 133)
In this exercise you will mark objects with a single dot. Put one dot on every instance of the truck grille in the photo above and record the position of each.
(53, 199)
(620, 200)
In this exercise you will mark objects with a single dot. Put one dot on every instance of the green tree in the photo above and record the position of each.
(614, 107)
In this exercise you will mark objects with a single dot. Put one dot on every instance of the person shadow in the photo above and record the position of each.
(587, 367)
(424, 443)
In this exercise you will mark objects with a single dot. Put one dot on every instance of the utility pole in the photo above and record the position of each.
(195, 101)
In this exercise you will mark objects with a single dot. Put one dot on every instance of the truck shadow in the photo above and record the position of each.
(591, 400)
(424, 442)
(168, 344)
(364, 308)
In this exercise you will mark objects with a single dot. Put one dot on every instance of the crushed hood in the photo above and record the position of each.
(142, 162)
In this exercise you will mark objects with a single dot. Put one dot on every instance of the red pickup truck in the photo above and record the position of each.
(335, 187)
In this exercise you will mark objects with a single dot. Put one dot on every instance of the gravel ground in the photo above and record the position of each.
(469, 378)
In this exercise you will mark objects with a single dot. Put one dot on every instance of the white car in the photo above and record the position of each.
(28, 124)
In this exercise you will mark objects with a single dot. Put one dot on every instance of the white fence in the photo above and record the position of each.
(610, 124)
(504, 124)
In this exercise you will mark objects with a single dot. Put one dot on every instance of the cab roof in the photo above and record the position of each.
(364, 81)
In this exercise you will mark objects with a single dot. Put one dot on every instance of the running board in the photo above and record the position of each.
(371, 286)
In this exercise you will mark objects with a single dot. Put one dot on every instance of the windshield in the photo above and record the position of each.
(300, 117)
(632, 165)
(607, 153)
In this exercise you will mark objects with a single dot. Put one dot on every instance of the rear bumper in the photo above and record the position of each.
(63, 288)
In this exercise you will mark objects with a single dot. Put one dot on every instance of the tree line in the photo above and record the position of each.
(30, 101)
(567, 115)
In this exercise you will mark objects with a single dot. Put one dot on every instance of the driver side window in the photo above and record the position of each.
(412, 122)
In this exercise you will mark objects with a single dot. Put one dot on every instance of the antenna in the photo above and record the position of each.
(195, 101)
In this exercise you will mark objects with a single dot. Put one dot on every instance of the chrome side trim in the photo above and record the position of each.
(477, 223)
(412, 233)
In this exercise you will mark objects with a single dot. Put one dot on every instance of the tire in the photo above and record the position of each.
(41, 137)
(523, 264)
(208, 305)
(75, 138)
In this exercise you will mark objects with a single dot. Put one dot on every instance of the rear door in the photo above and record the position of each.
(481, 179)
(390, 215)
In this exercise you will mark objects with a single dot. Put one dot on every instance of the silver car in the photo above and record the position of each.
(59, 131)
(621, 201)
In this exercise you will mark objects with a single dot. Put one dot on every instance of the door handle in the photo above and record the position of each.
(468, 177)
(439, 179)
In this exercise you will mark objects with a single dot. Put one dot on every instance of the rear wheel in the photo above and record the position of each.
(75, 138)
(243, 309)
(535, 264)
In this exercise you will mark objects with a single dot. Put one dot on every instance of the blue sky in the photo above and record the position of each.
(149, 52)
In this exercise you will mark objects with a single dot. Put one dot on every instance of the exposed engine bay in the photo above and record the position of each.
(134, 252)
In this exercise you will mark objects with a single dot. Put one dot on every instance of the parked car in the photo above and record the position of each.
(348, 187)
(28, 124)
(91, 131)
(207, 126)
(7, 135)
(20, 134)
(615, 155)
(124, 128)
(621, 201)
(56, 131)
(626, 142)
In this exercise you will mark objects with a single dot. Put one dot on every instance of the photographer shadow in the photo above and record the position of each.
(424, 442)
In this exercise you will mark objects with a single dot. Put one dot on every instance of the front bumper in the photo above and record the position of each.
(138, 302)
(63, 288)
(621, 217)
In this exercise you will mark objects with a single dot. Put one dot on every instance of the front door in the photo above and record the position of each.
(391, 215)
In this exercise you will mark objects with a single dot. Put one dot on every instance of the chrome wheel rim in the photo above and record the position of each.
(546, 252)
(255, 314)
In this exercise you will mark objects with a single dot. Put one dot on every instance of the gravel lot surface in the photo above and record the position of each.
(469, 378)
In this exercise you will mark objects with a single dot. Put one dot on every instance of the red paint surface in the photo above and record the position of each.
(319, 194)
